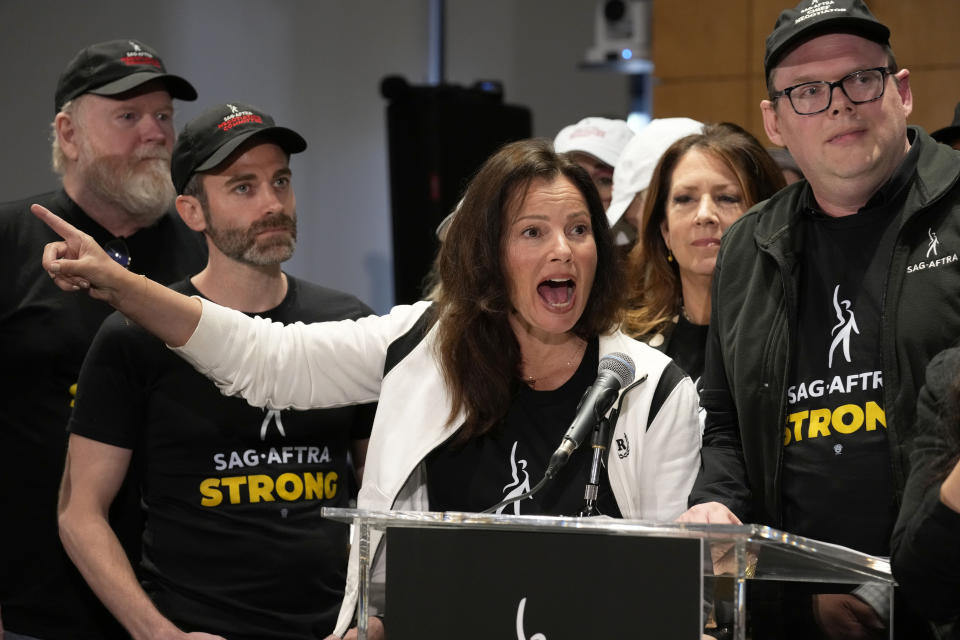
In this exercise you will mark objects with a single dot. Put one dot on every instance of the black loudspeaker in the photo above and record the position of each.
(438, 137)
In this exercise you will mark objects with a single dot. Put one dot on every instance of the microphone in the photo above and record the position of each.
(616, 371)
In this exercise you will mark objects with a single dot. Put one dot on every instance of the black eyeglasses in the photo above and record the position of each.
(808, 98)
(118, 250)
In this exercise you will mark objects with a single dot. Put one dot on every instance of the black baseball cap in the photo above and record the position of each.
(210, 138)
(114, 67)
(812, 18)
(951, 133)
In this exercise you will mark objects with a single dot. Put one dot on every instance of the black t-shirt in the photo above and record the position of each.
(512, 458)
(837, 477)
(44, 334)
(233, 543)
(687, 347)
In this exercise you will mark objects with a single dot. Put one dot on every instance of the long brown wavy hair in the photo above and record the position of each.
(655, 296)
(478, 352)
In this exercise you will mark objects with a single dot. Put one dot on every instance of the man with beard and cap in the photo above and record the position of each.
(829, 300)
(234, 544)
(112, 136)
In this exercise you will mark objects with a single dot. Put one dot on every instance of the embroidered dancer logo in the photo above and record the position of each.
(934, 243)
(933, 259)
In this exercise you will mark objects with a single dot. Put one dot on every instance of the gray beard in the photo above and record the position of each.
(143, 190)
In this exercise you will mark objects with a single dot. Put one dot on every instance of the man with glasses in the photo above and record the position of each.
(112, 136)
(234, 542)
(829, 300)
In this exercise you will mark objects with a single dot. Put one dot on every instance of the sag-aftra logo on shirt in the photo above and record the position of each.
(845, 404)
(274, 473)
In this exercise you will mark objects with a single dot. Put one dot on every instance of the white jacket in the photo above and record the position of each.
(651, 466)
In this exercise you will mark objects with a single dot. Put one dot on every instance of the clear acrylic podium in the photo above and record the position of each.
(748, 552)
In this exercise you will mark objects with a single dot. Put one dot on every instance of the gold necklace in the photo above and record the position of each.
(572, 362)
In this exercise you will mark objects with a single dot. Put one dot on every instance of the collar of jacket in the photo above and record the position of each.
(776, 228)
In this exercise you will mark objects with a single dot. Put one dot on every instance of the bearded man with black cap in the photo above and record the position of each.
(112, 136)
(829, 300)
(234, 544)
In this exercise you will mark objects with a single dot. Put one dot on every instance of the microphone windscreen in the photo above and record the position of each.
(619, 364)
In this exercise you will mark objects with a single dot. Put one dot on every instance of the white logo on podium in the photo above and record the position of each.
(521, 634)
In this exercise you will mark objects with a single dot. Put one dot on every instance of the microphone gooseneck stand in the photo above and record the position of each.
(601, 436)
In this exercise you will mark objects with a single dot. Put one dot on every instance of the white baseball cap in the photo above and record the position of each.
(633, 171)
(602, 138)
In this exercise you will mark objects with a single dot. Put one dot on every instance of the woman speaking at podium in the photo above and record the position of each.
(476, 388)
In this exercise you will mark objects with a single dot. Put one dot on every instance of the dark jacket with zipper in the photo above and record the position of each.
(750, 348)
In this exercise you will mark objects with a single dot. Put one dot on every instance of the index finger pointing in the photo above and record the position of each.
(62, 228)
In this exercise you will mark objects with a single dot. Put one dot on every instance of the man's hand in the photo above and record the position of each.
(77, 262)
(709, 513)
(375, 631)
(847, 617)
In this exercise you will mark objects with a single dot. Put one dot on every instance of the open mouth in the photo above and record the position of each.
(556, 292)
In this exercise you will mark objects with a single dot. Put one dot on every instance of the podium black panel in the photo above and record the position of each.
(532, 585)
(438, 137)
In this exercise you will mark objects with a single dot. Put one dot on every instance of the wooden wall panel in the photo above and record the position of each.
(699, 39)
(708, 57)
(704, 100)
(922, 32)
(932, 105)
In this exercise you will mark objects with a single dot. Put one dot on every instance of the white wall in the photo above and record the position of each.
(315, 65)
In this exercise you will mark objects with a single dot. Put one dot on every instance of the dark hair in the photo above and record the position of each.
(477, 350)
(195, 188)
(655, 293)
